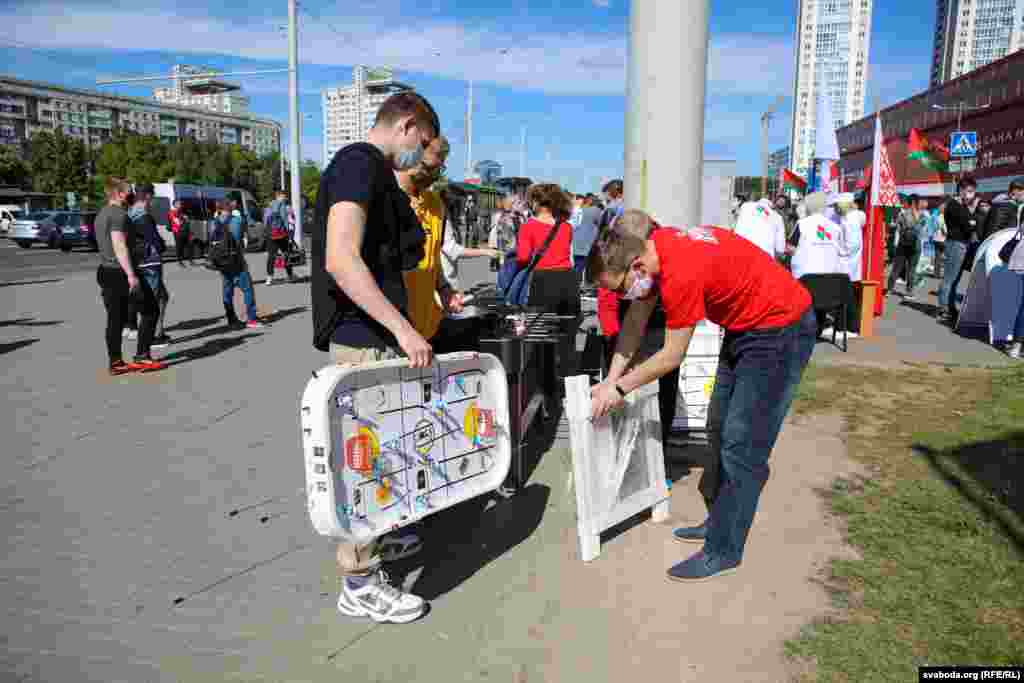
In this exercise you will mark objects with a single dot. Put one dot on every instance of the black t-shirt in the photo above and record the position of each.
(392, 242)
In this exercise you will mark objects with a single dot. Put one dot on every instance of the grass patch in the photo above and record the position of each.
(937, 523)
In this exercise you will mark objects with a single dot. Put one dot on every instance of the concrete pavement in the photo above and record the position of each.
(122, 560)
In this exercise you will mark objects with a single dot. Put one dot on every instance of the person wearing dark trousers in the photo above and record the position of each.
(962, 224)
(275, 246)
(123, 291)
(182, 234)
(709, 273)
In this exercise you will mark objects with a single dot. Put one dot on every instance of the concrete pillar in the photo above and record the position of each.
(667, 70)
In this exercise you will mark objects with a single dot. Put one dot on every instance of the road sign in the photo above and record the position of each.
(963, 144)
(963, 165)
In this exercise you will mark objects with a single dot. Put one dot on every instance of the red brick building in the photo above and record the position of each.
(1000, 129)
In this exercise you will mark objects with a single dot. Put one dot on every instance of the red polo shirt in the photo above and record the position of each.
(709, 273)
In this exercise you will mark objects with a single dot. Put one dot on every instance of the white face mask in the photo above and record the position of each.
(641, 287)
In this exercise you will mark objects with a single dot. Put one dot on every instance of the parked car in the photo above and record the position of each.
(8, 214)
(42, 226)
(79, 230)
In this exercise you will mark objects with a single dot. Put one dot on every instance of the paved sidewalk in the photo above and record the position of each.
(121, 560)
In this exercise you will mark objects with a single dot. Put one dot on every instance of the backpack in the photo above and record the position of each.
(224, 254)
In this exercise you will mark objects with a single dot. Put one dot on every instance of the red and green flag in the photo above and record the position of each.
(792, 182)
(931, 155)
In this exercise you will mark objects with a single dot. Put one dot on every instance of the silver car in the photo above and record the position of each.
(40, 226)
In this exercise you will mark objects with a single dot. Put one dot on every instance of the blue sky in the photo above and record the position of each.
(563, 76)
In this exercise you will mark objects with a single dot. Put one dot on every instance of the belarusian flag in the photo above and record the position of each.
(931, 155)
(791, 181)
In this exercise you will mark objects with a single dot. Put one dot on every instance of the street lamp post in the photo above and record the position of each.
(293, 117)
(960, 107)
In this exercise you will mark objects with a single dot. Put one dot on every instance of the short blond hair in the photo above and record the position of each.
(619, 245)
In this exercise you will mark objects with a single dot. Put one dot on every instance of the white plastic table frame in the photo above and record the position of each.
(617, 461)
(385, 445)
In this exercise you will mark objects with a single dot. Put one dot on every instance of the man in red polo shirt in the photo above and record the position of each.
(710, 273)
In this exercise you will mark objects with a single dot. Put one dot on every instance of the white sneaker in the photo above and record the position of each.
(131, 334)
(827, 332)
(380, 601)
(909, 297)
(394, 547)
(269, 281)
(1014, 350)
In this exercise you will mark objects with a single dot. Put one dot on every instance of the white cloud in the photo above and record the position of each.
(602, 3)
(591, 63)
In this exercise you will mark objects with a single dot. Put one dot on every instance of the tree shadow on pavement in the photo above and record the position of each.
(195, 323)
(18, 283)
(990, 474)
(283, 313)
(14, 346)
(461, 541)
(206, 350)
(30, 322)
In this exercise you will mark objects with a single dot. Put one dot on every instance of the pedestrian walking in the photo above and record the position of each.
(229, 259)
(279, 244)
(911, 229)
(150, 247)
(584, 233)
(504, 229)
(939, 237)
(364, 236)
(179, 223)
(119, 282)
(962, 224)
(710, 273)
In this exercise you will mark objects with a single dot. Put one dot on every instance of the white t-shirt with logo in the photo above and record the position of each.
(818, 250)
(763, 226)
(851, 244)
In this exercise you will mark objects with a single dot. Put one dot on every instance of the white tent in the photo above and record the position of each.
(977, 309)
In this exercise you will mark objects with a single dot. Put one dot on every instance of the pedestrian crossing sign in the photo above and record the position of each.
(963, 144)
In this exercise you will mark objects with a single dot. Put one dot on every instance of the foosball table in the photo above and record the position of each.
(536, 346)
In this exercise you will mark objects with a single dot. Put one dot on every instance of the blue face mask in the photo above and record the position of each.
(409, 158)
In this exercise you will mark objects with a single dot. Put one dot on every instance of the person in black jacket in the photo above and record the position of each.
(1006, 210)
(962, 224)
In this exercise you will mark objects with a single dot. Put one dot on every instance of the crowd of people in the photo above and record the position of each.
(131, 271)
(380, 290)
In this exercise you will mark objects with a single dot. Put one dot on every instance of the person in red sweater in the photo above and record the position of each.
(708, 273)
(546, 200)
(179, 226)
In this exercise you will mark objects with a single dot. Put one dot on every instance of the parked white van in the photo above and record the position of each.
(8, 214)
(199, 203)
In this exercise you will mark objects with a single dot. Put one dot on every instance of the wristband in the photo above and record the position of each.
(619, 389)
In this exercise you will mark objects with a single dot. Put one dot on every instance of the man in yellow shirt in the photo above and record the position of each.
(429, 294)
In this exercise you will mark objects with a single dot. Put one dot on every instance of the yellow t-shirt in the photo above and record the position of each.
(425, 311)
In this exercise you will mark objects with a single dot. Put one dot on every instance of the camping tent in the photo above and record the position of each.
(977, 310)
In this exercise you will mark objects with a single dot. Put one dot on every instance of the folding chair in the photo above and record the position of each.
(831, 293)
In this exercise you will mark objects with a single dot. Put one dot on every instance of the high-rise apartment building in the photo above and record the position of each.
(971, 33)
(194, 86)
(27, 107)
(832, 40)
(778, 160)
(349, 110)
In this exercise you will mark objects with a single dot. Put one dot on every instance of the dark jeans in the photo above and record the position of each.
(758, 373)
(668, 388)
(579, 263)
(282, 245)
(906, 258)
(154, 277)
(940, 258)
(181, 242)
(507, 273)
(120, 304)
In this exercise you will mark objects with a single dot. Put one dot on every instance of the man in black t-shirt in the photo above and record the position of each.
(365, 234)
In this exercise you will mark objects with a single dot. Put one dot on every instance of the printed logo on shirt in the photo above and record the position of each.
(824, 234)
(700, 234)
(763, 212)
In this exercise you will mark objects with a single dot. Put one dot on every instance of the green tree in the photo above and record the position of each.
(58, 164)
(309, 181)
(13, 170)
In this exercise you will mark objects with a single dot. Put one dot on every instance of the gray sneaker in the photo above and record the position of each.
(131, 334)
(691, 534)
(380, 601)
(1013, 350)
